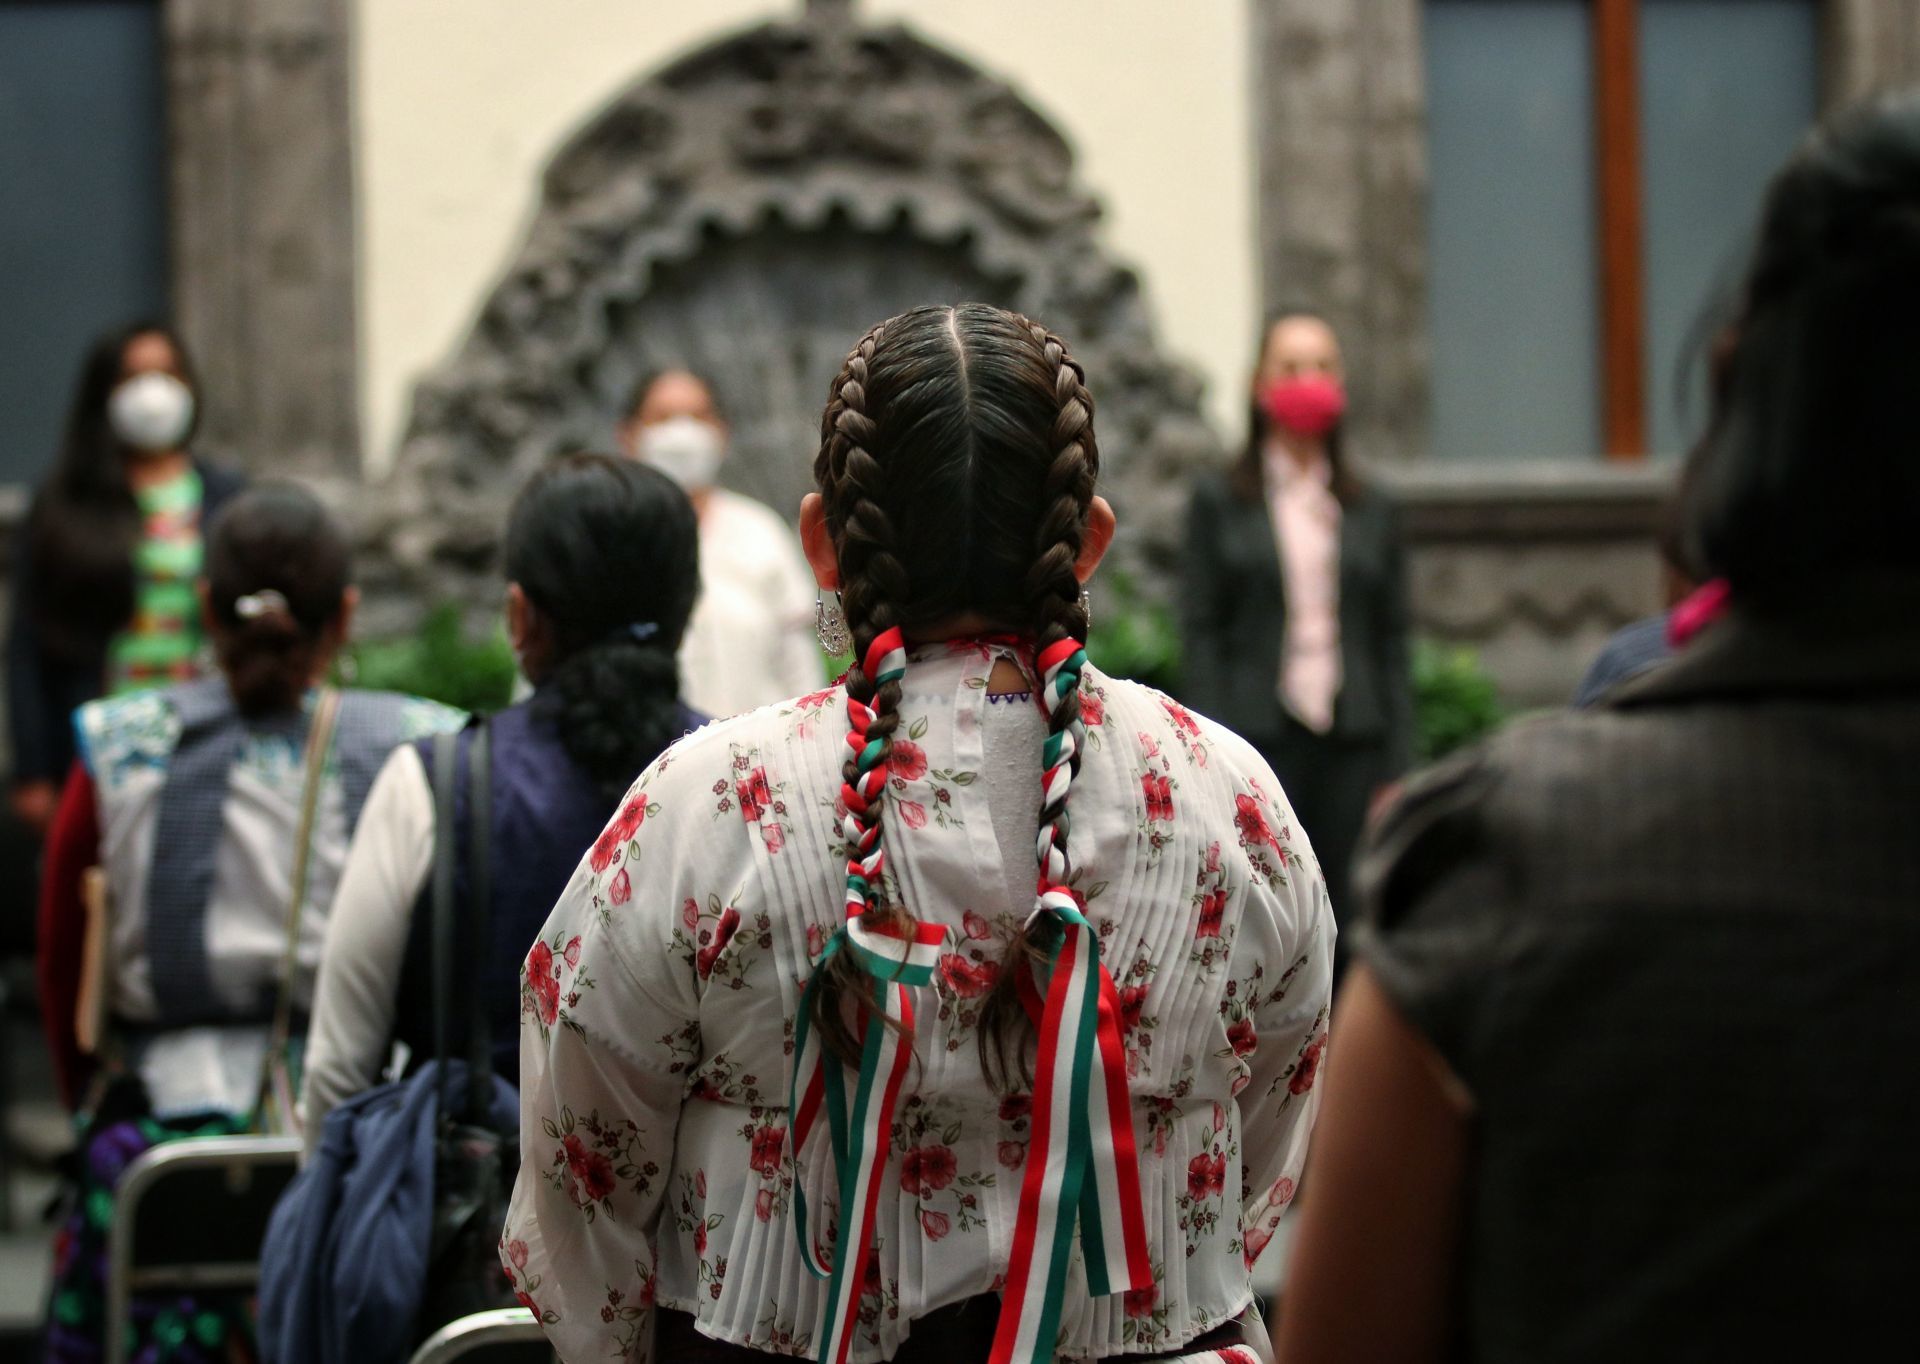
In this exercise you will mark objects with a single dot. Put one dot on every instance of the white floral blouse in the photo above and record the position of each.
(659, 1005)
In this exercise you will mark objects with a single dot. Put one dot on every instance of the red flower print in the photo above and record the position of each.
(1015, 1107)
(908, 760)
(816, 940)
(609, 843)
(1213, 912)
(813, 699)
(526, 1300)
(1013, 1154)
(517, 1252)
(768, 1143)
(632, 815)
(1139, 1301)
(976, 926)
(1256, 1241)
(927, 1169)
(1241, 1036)
(572, 953)
(700, 1185)
(722, 935)
(1281, 1193)
(544, 982)
(690, 914)
(1252, 823)
(774, 837)
(763, 1205)
(1133, 999)
(934, 1224)
(700, 1238)
(870, 1280)
(1198, 1170)
(969, 980)
(621, 890)
(914, 814)
(1093, 710)
(1159, 792)
(1303, 1074)
(755, 795)
(593, 1170)
(1182, 717)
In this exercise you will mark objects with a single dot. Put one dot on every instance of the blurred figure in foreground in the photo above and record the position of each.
(1625, 1071)
(1295, 600)
(602, 562)
(751, 639)
(194, 804)
(103, 598)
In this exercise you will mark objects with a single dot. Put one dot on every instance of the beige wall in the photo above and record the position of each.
(458, 104)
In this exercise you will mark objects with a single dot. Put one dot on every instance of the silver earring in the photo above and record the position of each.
(1086, 608)
(831, 626)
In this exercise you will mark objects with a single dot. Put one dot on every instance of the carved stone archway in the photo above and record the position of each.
(750, 210)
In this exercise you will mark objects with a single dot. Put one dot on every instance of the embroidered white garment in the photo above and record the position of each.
(1306, 528)
(750, 640)
(658, 1007)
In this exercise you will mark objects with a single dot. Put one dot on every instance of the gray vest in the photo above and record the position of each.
(190, 824)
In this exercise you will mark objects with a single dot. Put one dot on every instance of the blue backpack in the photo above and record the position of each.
(391, 1229)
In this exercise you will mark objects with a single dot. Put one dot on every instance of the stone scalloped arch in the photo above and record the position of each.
(751, 208)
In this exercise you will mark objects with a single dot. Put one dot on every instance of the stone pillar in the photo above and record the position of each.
(1340, 124)
(260, 140)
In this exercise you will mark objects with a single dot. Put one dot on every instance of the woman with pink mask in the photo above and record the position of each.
(1294, 599)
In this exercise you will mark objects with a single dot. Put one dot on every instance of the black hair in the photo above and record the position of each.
(274, 538)
(1247, 477)
(607, 550)
(957, 467)
(644, 385)
(81, 533)
(1810, 464)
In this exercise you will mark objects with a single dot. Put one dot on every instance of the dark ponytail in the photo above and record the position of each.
(278, 569)
(957, 466)
(607, 551)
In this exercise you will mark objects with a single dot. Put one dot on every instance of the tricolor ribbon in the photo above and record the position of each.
(1081, 1161)
(860, 1133)
(1082, 1166)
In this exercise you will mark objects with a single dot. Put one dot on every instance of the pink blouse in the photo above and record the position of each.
(1306, 527)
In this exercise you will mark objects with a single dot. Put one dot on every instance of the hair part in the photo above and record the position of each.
(957, 466)
(274, 538)
(605, 548)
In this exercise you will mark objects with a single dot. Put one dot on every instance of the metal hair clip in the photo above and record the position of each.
(265, 603)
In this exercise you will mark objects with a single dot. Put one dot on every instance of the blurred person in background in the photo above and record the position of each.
(189, 800)
(1295, 599)
(1626, 1067)
(103, 595)
(602, 561)
(751, 639)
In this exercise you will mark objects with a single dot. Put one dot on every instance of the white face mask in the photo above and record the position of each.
(151, 411)
(685, 449)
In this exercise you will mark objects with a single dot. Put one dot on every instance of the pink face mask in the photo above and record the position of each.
(1306, 404)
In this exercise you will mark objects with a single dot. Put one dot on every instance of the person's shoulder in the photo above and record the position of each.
(119, 733)
(407, 716)
(756, 734)
(750, 515)
(1154, 721)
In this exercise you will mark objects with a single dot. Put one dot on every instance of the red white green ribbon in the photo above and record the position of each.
(1082, 1163)
(860, 1134)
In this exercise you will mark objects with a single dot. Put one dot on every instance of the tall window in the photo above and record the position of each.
(1597, 167)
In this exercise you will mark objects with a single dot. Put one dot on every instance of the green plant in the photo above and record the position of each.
(441, 663)
(1132, 636)
(1455, 701)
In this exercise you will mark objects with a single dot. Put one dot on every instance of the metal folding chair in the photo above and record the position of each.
(191, 1216)
(508, 1335)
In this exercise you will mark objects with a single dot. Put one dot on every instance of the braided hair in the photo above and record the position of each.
(957, 466)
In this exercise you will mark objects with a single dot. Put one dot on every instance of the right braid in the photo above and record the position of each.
(1058, 615)
(873, 585)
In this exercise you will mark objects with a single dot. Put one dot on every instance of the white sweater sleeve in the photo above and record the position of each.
(387, 865)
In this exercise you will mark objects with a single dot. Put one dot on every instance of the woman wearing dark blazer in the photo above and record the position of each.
(1295, 599)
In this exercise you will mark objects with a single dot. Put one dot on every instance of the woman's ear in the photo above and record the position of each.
(817, 541)
(1095, 539)
(343, 622)
(519, 617)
